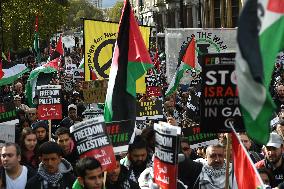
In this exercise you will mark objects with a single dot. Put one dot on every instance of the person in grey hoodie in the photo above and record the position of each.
(54, 172)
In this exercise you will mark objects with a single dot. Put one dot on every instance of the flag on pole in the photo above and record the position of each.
(245, 171)
(50, 67)
(257, 51)
(58, 50)
(11, 72)
(36, 42)
(186, 62)
(130, 61)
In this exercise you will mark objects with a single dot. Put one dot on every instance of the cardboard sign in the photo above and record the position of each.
(150, 110)
(92, 140)
(95, 91)
(7, 131)
(220, 103)
(49, 102)
(7, 112)
(198, 139)
(166, 155)
(120, 134)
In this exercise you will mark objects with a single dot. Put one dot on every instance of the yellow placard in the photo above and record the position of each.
(99, 39)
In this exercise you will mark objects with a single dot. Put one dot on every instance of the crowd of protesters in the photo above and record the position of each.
(35, 161)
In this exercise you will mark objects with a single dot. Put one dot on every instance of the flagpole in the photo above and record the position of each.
(229, 141)
(247, 154)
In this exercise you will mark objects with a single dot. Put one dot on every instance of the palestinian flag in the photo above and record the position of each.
(130, 61)
(258, 48)
(186, 62)
(36, 42)
(58, 50)
(48, 68)
(245, 171)
(10, 72)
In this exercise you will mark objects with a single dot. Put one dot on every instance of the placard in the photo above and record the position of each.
(166, 155)
(154, 91)
(120, 134)
(92, 140)
(95, 91)
(7, 130)
(50, 106)
(7, 112)
(220, 103)
(78, 73)
(149, 109)
(69, 68)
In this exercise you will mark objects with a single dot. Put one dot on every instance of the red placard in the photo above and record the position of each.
(165, 174)
(153, 91)
(49, 111)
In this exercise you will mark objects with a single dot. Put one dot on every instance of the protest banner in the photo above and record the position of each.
(208, 40)
(120, 134)
(92, 113)
(95, 91)
(99, 40)
(198, 139)
(166, 155)
(50, 106)
(92, 140)
(149, 109)
(7, 111)
(7, 131)
(219, 100)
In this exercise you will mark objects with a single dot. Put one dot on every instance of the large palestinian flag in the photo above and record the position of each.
(130, 61)
(260, 39)
(11, 72)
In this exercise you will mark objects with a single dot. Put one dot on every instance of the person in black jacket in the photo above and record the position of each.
(54, 172)
(11, 169)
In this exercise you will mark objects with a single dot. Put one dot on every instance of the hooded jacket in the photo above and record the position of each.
(40, 182)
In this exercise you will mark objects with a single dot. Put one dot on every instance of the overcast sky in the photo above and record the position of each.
(108, 3)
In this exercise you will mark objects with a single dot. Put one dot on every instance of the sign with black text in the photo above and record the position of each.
(95, 91)
(219, 100)
(92, 140)
(166, 155)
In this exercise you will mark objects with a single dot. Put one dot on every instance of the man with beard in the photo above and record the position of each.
(137, 159)
(279, 99)
(117, 178)
(213, 173)
(273, 158)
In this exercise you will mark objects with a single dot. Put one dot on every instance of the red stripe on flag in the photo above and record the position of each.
(276, 6)
(189, 56)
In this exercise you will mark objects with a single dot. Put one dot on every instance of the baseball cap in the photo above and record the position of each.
(40, 124)
(72, 106)
(275, 140)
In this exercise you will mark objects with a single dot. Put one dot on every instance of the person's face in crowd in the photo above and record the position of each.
(32, 116)
(265, 178)
(280, 91)
(17, 102)
(93, 179)
(72, 114)
(41, 133)
(114, 174)
(25, 124)
(185, 148)
(19, 88)
(168, 106)
(138, 157)
(9, 158)
(185, 96)
(246, 141)
(30, 142)
(6, 88)
(280, 129)
(51, 162)
(215, 157)
(64, 142)
(272, 154)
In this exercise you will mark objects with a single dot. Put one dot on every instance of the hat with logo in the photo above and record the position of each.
(275, 140)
